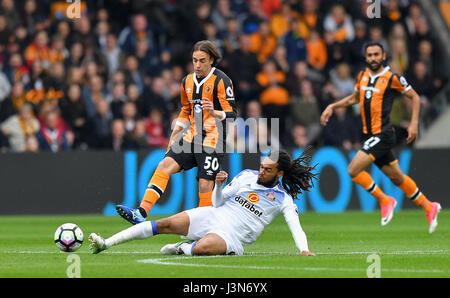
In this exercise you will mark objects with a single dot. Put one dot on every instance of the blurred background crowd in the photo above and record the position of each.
(111, 78)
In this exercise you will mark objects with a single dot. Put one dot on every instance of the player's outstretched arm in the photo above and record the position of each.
(180, 125)
(345, 102)
(291, 217)
(413, 128)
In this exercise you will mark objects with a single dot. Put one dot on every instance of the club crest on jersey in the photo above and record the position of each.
(208, 89)
(271, 196)
(197, 108)
(253, 197)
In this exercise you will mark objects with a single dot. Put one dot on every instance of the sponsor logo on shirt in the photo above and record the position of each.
(253, 197)
(249, 206)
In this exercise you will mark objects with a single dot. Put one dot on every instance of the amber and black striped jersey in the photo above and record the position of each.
(376, 96)
(218, 88)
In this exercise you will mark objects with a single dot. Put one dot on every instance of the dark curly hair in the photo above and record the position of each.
(298, 175)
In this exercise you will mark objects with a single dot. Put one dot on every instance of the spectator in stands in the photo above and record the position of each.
(52, 137)
(5, 86)
(212, 34)
(74, 113)
(376, 35)
(32, 145)
(280, 58)
(304, 110)
(132, 73)
(116, 100)
(118, 139)
(138, 30)
(127, 51)
(113, 53)
(341, 131)
(263, 42)
(58, 52)
(15, 100)
(101, 124)
(254, 17)
(129, 116)
(427, 54)
(341, 78)
(242, 67)
(295, 44)
(76, 55)
(356, 46)
(139, 135)
(393, 13)
(311, 15)
(155, 129)
(299, 136)
(316, 50)
(38, 50)
(421, 79)
(136, 98)
(274, 96)
(398, 43)
(231, 36)
(258, 135)
(144, 58)
(19, 127)
(5, 32)
(339, 23)
(220, 15)
(281, 22)
(11, 14)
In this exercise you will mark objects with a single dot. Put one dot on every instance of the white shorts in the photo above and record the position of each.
(203, 221)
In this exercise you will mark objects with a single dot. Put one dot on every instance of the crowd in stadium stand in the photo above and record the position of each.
(110, 79)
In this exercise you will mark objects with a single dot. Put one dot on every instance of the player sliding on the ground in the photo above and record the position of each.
(240, 211)
(375, 89)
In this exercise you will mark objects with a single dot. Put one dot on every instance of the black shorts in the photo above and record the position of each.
(207, 161)
(379, 148)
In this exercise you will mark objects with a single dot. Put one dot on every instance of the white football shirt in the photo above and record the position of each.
(248, 207)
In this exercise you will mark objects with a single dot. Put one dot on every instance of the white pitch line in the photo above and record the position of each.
(407, 252)
(172, 261)
(169, 262)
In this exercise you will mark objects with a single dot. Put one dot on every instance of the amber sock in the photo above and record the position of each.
(412, 192)
(365, 180)
(205, 199)
(155, 189)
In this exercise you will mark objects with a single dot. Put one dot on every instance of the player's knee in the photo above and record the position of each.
(396, 178)
(352, 171)
(205, 249)
(205, 186)
(164, 226)
(168, 165)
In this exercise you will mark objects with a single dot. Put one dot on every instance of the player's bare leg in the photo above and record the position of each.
(394, 173)
(175, 224)
(210, 245)
(359, 163)
(410, 189)
(205, 188)
(156, 187)
(356, 170)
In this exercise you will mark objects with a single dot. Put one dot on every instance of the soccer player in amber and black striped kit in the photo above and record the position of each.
(207, 98)
(375, 89)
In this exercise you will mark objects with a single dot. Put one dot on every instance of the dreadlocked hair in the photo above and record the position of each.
(298, 175)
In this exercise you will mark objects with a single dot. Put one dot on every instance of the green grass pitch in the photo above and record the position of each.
(343, 243)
